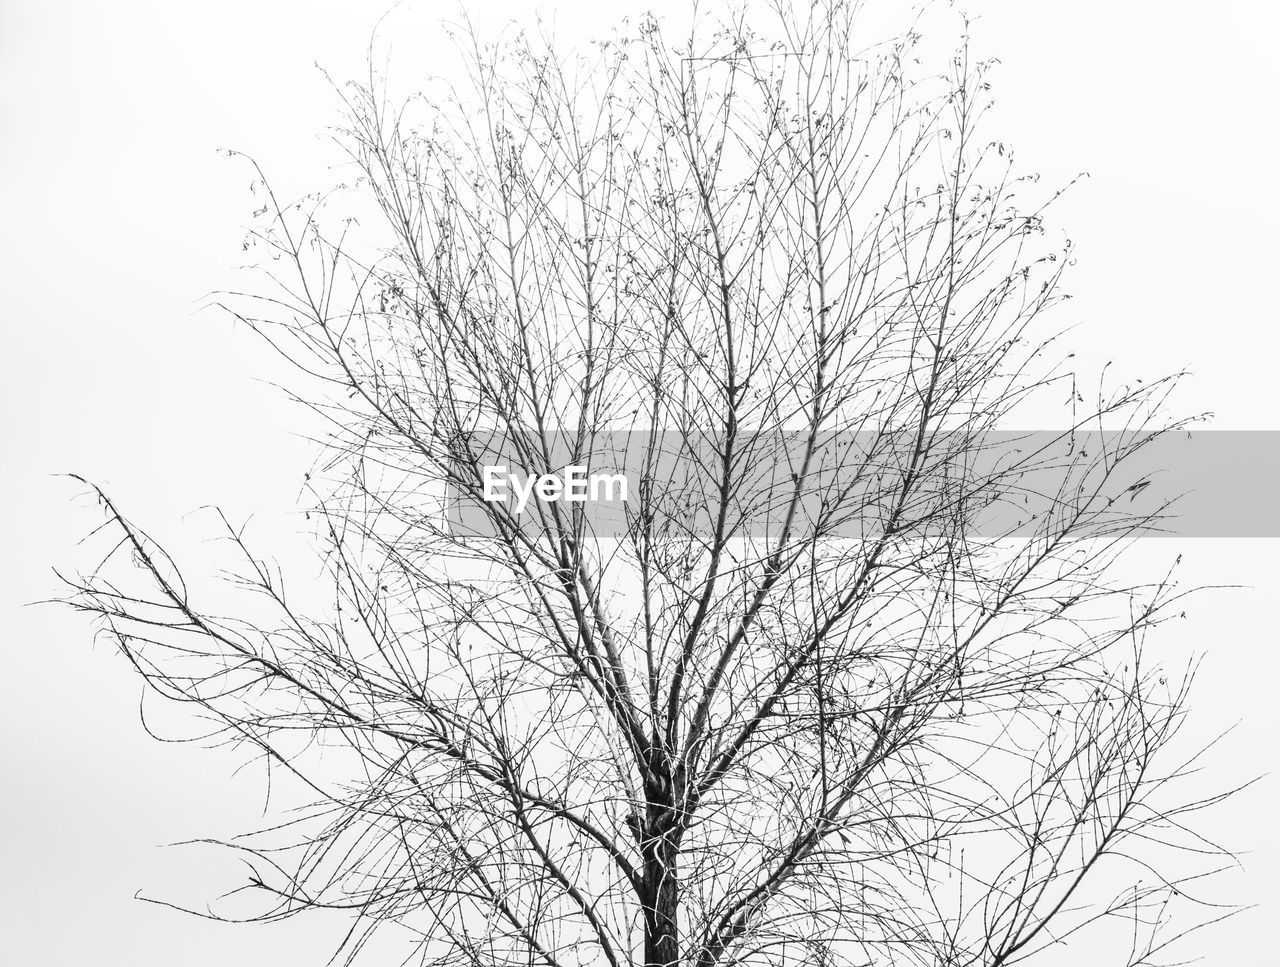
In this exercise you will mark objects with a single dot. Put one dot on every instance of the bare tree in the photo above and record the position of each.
(870, 731)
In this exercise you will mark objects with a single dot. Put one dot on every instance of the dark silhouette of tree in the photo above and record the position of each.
(871, 732)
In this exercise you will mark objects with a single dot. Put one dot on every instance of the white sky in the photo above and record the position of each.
(118, 215)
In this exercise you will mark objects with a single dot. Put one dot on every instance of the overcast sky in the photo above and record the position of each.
(119, 215)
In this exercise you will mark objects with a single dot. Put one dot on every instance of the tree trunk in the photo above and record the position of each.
(660, 849)
(661, 935)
